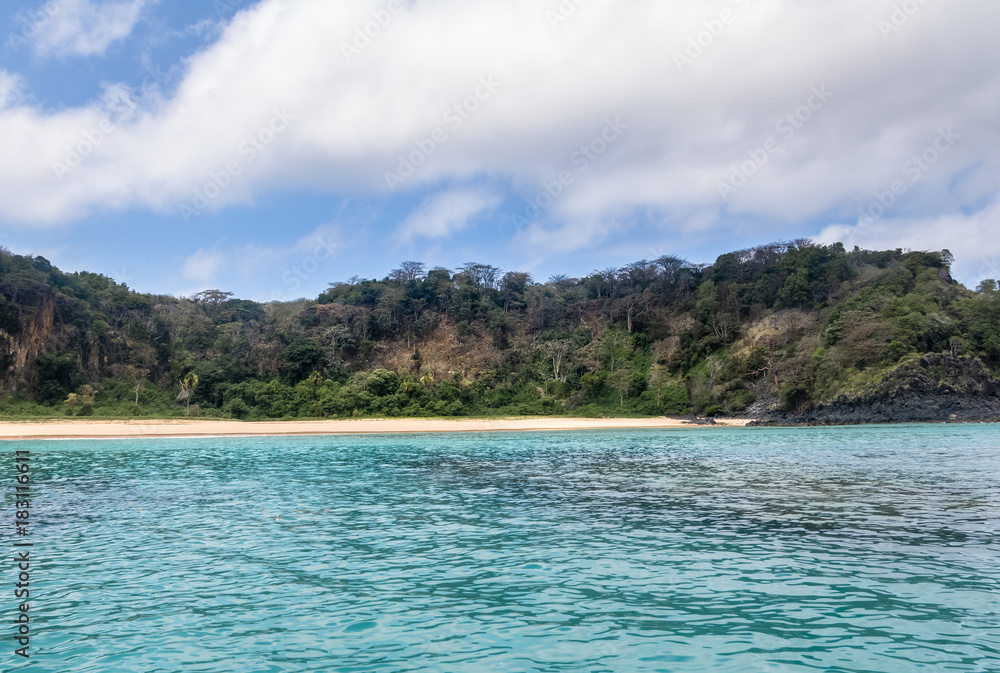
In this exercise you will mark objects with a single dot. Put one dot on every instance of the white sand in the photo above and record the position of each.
(87, 429)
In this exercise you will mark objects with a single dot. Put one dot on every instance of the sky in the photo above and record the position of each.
(271, 147)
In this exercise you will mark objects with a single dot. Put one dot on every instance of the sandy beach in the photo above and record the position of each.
(87, 429)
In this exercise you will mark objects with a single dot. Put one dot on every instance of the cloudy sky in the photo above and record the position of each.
(272, 147)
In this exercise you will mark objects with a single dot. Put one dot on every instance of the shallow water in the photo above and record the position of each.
(815, 549)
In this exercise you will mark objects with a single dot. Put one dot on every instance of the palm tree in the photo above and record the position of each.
(316, 380)
(427, 381)
(188, 384)
(408, 385)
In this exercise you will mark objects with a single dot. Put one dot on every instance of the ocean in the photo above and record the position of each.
(847, 550)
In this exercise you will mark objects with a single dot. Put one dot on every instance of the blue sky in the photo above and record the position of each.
(271, 147)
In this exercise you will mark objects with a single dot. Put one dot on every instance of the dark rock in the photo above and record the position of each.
(937, 387)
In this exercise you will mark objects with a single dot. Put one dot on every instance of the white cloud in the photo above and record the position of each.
(84, 27)
(307, 254)
(687, 130)
(444, 214)
(972, 238)
(10, 89)
(204, 265)
(277, 272)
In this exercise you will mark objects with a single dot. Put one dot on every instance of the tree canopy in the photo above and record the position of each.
(780, 325)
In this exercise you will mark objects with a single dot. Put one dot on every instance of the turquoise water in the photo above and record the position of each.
(817, 549)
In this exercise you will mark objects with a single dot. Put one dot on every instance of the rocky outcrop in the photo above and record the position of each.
(936, 387)
(19, 352)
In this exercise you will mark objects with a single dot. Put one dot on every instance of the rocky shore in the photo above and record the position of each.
(934, 388)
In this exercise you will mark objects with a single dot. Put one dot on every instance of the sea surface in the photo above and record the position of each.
(863, 549)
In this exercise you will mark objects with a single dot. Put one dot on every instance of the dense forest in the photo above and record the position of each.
(785, 326)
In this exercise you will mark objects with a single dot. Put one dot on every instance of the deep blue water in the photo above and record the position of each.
(867, 549)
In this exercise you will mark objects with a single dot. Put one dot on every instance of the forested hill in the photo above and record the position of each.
(783, 327)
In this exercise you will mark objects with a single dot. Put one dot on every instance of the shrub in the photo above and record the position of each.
(236, 408)
(740, 400)
(674, 399)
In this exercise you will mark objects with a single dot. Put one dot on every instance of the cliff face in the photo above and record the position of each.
(934, 387)
(19, 352)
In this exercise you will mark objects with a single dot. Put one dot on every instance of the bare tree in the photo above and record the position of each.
(557, 350)
(482, 276)
(407, 272)
(633, 306)
(724, 326)
(744, 262)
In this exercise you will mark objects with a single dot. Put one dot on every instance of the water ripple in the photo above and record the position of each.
(848, 550)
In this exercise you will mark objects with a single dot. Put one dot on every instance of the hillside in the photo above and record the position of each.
(792, 332)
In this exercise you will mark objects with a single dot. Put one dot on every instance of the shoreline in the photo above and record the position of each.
(181, 428)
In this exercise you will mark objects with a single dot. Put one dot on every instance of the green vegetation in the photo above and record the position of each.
(777, 326)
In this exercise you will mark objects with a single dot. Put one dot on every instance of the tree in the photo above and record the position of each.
(640, 274)
(188, 384)
(987, 286)
(135, 376)
(142, 359)
(633, 306)
(301, 358)
(407, 272)
(621, 382)
(512, 287)
(556, 350)
(315, 380)
(604, 281)
(657, 380)
(482, 276)
(59, 373)
(212, 300)
(808, 322)
(616, 344)
(82, 398)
